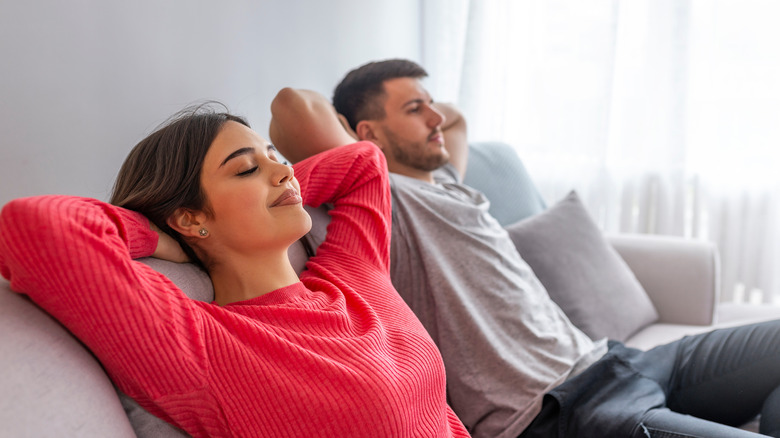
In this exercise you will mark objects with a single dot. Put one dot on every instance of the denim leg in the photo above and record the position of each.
(723, 376)
(699, 386)
(663, 423)
(726, 375)
(770, 415)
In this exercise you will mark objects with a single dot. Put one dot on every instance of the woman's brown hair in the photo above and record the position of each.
(162, 172)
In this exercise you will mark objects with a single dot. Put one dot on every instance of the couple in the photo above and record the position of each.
(515, 364)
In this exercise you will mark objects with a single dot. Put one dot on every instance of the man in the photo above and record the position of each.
(515, 363)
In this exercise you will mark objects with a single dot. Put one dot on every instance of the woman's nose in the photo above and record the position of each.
(282, 173)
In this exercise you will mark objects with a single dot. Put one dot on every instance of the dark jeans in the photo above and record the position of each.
(698, 386)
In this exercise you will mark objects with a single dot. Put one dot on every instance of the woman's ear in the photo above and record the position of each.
(187, 222)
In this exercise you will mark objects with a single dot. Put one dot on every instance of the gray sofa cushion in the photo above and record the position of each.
(582, 272)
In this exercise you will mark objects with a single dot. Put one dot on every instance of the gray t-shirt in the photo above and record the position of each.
(505, 343)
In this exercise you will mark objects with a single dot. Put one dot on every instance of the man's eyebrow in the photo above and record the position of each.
(413, 102)
(236, 153)
(418, 101)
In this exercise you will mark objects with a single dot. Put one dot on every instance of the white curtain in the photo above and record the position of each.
(663, 114)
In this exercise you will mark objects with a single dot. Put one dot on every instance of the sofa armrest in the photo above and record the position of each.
(50, 384)
(681, 276)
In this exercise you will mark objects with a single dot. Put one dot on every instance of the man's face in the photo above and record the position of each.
(410, 133)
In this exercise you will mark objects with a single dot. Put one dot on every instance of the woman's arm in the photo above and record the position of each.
(354, 179)
(305, 127)
(74, 258)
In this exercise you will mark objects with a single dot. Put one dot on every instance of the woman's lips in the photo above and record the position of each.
(288, 197)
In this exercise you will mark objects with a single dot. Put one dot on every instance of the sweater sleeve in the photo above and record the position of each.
(354, 179)
(74, 258)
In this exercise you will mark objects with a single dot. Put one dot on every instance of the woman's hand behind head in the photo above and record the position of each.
(167, 247)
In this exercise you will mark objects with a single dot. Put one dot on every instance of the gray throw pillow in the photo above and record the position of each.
(583, 274)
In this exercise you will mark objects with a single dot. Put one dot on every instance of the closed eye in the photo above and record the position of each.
(247, 172)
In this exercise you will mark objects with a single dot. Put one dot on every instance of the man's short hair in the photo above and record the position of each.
(357, 97)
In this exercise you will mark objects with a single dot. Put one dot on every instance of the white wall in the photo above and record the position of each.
(82, 81)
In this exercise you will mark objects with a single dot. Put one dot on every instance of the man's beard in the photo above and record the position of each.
(415, 154)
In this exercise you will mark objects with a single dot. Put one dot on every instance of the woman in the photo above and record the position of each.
(334, 353)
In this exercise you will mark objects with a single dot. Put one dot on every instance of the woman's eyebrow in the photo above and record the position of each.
(236, 153)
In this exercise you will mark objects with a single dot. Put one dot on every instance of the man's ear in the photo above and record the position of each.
(366, 130)
(186, 222)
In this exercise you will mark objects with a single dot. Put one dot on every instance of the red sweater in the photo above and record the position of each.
(337, 354)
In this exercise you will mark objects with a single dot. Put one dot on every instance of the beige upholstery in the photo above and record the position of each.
(50, 386)
(681, 276)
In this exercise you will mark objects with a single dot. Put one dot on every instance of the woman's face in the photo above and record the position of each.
(254, 199)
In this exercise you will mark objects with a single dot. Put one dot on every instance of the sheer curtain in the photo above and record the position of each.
(663, 114)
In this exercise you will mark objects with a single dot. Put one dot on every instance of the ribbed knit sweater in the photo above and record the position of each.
(337, 354)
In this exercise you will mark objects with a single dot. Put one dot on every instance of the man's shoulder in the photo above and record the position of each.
(446, 174)
(447, 188)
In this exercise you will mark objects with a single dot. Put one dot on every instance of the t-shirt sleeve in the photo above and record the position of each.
(354, 180)
(74, 258)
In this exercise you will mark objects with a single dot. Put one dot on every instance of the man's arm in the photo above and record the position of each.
(304, 123)
(455, 141)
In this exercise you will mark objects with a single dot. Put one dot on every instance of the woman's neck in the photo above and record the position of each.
(243, 279)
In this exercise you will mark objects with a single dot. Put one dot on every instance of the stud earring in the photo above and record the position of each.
(203, 232)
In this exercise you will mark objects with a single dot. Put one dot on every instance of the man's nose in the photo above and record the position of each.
(435, 118)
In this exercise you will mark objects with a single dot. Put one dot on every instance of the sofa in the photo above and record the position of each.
(51, 386)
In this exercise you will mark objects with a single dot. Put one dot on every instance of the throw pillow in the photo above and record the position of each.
(583, 274)
(495, 169)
